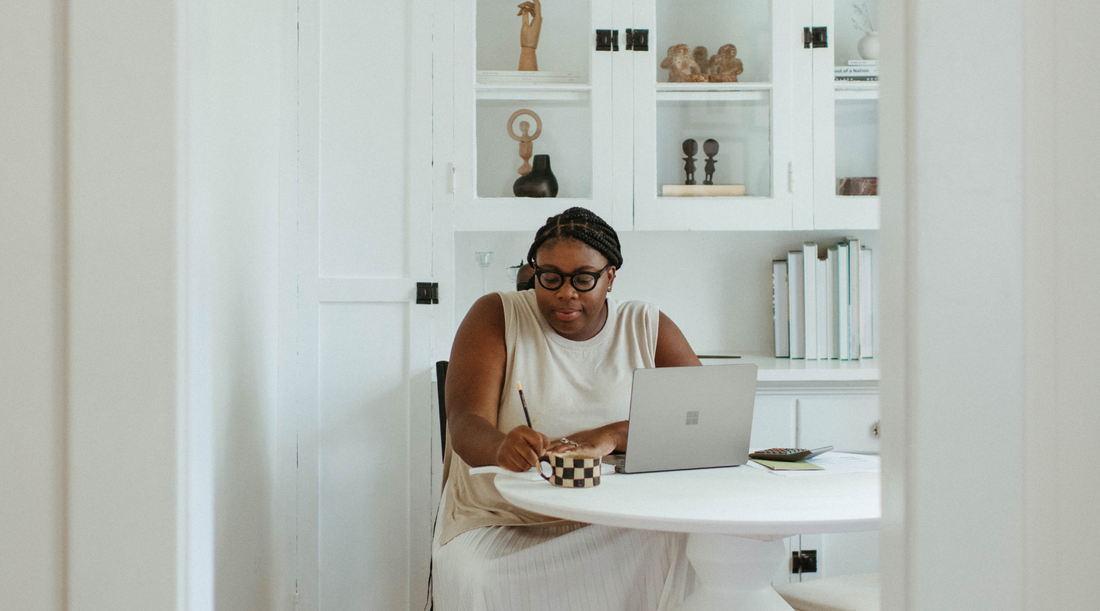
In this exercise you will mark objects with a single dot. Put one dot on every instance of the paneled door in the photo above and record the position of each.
(361, 352)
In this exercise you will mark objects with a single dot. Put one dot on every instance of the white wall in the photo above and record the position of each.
(32, 342)
(989, 304)
(90, 251)
(236, 67)
(124, 372)
(138, 372)
(715, 285)
(953, 354)
(1061, 276)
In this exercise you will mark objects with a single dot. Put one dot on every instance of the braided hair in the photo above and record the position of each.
(582, 225)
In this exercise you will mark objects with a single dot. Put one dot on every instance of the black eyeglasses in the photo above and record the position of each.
(582, 281)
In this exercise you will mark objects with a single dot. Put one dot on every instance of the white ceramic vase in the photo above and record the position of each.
(868, 46)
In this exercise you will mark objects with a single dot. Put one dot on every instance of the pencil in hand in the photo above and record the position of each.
(523, 402)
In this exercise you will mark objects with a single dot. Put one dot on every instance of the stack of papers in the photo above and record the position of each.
(787, 465)
(829, 462)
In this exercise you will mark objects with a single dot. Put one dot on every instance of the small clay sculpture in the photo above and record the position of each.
(690, 148)
(701, 58)
(710, 147)
(525, 139)
(681, 64)
(724, 66)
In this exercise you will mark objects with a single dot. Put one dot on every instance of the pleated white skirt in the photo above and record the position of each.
(556, 568)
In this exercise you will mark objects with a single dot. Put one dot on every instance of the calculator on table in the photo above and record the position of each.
(788, 454)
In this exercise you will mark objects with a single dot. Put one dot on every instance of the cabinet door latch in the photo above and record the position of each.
(804, 561)
(815, 37)
(637, 40)
(607, 40)
(427, 293)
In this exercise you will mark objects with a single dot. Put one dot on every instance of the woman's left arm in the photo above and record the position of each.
(673, 350)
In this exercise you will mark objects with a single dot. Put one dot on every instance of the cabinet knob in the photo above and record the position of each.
(874, 428)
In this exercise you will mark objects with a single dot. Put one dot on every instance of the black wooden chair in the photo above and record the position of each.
(441, 388)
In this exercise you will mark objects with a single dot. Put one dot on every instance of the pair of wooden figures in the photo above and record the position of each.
(695, 67)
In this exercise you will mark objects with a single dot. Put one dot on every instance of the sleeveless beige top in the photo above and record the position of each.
(569, 386)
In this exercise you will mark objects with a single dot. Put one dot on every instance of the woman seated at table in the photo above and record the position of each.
(574, 350)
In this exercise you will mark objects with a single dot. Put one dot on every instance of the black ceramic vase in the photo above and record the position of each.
(539, 182)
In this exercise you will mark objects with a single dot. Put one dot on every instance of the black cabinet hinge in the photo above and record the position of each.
(607, 40)
(637, 40)
(804, 561)
(427, 293)
(815, 37)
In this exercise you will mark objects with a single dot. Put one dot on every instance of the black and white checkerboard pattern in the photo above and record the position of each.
(575, 472)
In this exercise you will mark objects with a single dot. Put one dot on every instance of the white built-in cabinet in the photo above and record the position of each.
(613, 128)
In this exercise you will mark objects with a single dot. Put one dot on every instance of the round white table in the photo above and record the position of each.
(737, 518)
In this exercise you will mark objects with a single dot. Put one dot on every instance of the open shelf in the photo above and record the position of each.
(712, 92)
(774, 370)
(533, 92)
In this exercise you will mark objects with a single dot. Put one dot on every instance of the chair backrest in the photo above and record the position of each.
(441, 388)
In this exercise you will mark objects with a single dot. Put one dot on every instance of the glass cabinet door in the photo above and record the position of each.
(846, 116)
(718, 78)
(561, 109)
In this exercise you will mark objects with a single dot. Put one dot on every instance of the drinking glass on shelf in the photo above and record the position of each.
(484, 259)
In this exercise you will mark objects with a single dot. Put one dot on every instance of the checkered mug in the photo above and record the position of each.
(571, 470)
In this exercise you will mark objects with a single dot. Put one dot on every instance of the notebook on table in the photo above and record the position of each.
(689, 418)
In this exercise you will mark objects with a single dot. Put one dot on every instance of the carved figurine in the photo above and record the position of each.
(531, 25)
(724, 66)
(710, 147)
(681, 65)
(690, 148)
(524, 139)
(701, 58)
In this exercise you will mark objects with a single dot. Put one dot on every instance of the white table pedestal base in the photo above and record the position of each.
(735, 573)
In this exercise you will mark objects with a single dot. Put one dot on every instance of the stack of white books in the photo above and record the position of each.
(823, 307)
(857, 70)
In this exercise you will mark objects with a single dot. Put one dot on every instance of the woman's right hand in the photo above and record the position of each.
(521, 448)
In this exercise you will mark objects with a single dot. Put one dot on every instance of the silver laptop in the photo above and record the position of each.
(689, 418)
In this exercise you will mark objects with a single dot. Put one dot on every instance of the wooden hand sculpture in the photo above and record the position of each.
(682, 67)
(531, 25)
(724, 66)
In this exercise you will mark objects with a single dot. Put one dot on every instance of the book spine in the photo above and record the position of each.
(856, 71)
(863, 62)
(862, 79)
(866, 305)
(780, 310)
(853, 298)
(833, 323)
(809, 284)
(822, 310)
(842, 302)
(797, 301)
